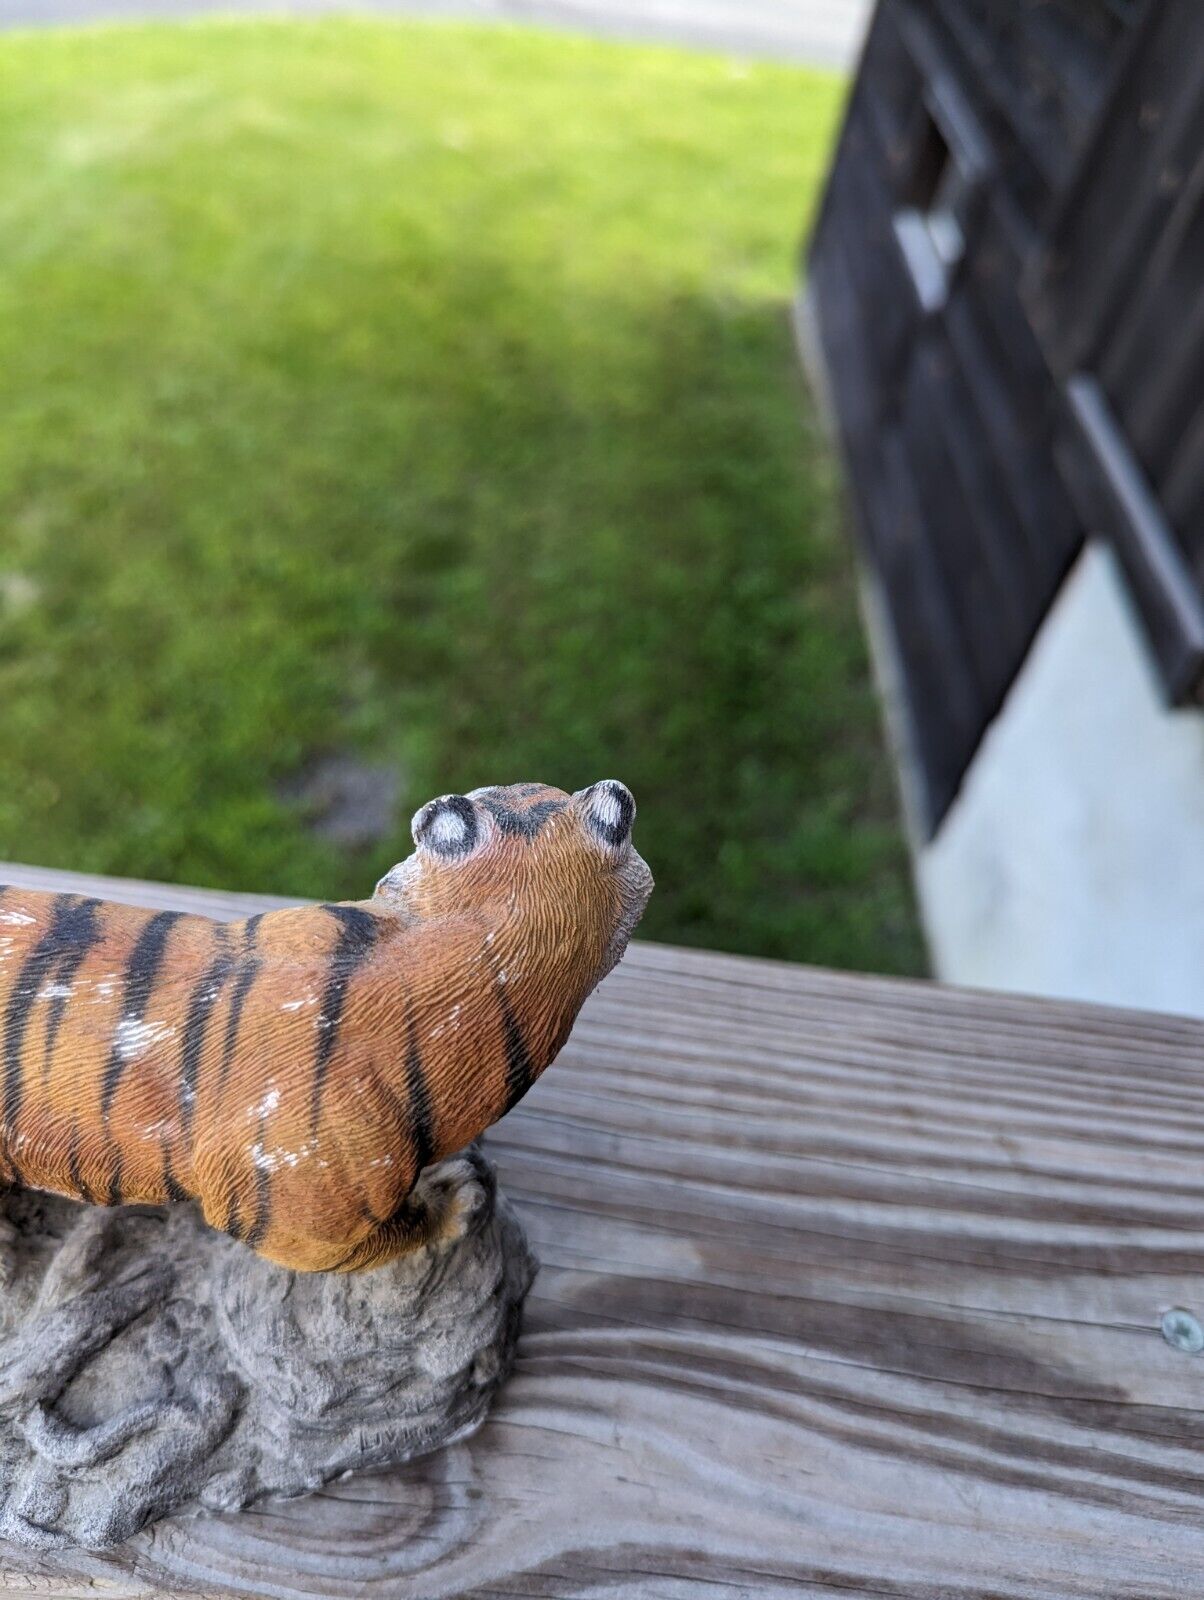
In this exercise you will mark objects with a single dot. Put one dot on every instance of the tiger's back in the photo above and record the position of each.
(156, 1056)
(296, 1072)
(82, 989)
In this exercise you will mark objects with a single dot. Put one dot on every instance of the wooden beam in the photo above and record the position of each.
(849, 1286)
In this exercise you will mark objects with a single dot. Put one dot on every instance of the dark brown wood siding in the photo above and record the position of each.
(1117, 300)
(1007, 273)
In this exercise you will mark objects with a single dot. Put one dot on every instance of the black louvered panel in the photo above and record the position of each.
(944, 395)
(1182, 488)
(1021, 127)
(1126, 185)
(957, 564)
(924, 617)
(1117, 500)
(860, 224)
(1011, 421)
(887, 91)
(1117, 299)
(1042, 66)
(1150, 361)
(1151, 364)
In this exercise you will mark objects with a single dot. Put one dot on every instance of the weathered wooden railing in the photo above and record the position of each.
(849, 1286)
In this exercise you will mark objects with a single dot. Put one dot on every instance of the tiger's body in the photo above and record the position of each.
(296, 1072)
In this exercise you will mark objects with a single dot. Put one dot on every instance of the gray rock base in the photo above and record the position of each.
(149, 1365)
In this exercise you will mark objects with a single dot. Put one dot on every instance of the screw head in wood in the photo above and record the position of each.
(1182, 1331)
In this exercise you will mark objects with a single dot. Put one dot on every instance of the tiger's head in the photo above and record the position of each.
(555, 874)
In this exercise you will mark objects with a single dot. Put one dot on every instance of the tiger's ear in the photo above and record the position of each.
(448, 827)
(608, 810)
(393, 884)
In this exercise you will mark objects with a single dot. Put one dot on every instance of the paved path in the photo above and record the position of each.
(823, 31)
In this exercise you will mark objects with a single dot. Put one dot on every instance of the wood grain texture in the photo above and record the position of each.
(849, 1286)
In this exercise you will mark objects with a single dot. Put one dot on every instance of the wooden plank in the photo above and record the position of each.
(849, 1285)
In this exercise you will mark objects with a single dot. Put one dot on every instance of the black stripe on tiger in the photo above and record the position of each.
(75, 1172)
(66, 926)
(520, 1071)
(205, 995)
(233, 1223)
(113, 1196)
(256, 1233)
(87, 930)
(248, 971)
(422, 1110)
(141, 975)
(358, 932)
(399, 1109)
(172, 1186)
(524, 823)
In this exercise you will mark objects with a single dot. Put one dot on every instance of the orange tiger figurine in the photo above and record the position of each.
(294, 1073)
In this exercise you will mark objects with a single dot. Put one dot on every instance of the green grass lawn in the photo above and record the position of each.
(426, 393)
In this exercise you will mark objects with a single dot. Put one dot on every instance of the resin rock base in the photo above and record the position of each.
(149, 1365)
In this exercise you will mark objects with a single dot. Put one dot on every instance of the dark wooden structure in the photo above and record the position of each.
(1006, 277)
(850, 1286)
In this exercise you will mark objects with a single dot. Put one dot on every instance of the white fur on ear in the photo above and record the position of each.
(609, 808)
(447, 832)
(447, 826)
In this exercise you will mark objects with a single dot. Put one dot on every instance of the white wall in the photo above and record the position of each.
(1072, 862)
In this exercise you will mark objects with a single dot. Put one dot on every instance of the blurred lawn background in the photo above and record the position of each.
(422, 396)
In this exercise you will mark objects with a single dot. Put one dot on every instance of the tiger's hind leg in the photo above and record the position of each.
(438, 1211)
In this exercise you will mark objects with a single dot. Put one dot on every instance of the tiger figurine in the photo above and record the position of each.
(295, 1073)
